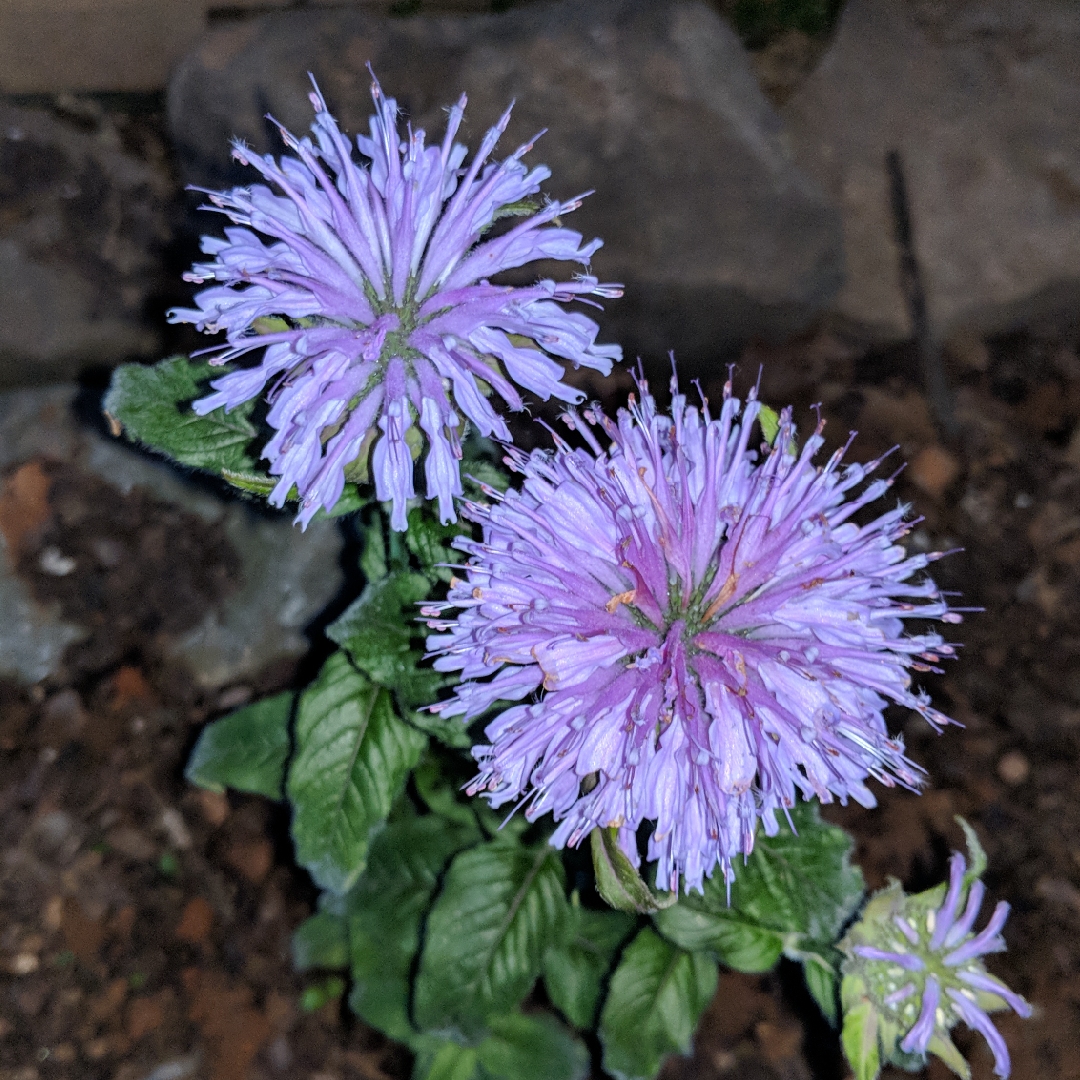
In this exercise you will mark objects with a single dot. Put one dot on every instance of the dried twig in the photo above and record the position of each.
(935, 382)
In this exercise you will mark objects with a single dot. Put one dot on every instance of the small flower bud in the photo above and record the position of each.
(913, 969)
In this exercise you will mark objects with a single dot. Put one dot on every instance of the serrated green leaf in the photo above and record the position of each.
(695, 925)
(384, 914)
(860, 1041)
(574, 971)
(153, 406)
(430, 543)
(374, 562)
(381, 634)
(440, 795)
(321, 941)
(823, 982)
(253, 483)
(449, 730)
(499, 910)
(245, 750)
(793, 896)
(617, 879)
(534, 1047)
(441, 1059)
(353, 755)
(800, 881)
(655, 999)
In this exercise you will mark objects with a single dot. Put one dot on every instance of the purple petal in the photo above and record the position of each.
(918, 1038)
(977, 1020)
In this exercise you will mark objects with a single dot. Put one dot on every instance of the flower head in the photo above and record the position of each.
(371, 304)
(695, 632)
(914, 969)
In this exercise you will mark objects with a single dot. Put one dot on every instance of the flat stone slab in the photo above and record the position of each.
(982, 99)
(287, 577)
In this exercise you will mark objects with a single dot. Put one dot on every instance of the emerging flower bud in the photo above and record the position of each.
(913, 969)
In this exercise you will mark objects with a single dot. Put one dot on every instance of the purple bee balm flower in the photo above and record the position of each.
(700, 629)
(370, 302)
(918, 962)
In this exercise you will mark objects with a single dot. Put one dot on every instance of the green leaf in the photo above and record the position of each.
(245, 750)
(441, 1059)
(353, 755)
(976, 854)
(769, 419)
(793, 896)
(534, 1047)
(440, 795)
(153, 405)
(617, 879)
(252, 483)
(321, 941)
(350, 501)
(378, 632)
(800, 881)
(656, 997)
(500, 908)
(945, 1048)
(574, 971)
(430, 543)
(384, 914)
(693, 924)
(823, 983)
(860, 1040)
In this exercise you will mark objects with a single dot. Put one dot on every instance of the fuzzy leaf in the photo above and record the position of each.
(617, 879)
(245, 750)
(800, 881)
(353, 755)
(860, 1041)
(441, 1059)
(385, 911)
(769, 419)
(500, 908)
(656, 996)
(823, 983)
(793, 896)
(153, 404)
(440, 795)
(742, 946)
(535, 1047)
(574, 971)
(380, 632)
(321, 941)
(429, 541)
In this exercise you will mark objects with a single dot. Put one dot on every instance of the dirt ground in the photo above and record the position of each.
(146, 925)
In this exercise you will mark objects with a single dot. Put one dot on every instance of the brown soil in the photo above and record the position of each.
(146, 925)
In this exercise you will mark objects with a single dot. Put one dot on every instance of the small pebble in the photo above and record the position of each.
(175, 828)
(1014, 768)
(934, 469)
(24, 963)
(55, 563)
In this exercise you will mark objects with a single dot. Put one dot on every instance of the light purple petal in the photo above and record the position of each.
(978, 1021)
(918, 1038)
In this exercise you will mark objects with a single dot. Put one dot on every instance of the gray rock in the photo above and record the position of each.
(982, 99)
(32, 637)
(715, 233)
(288, 576)
(82, 224)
